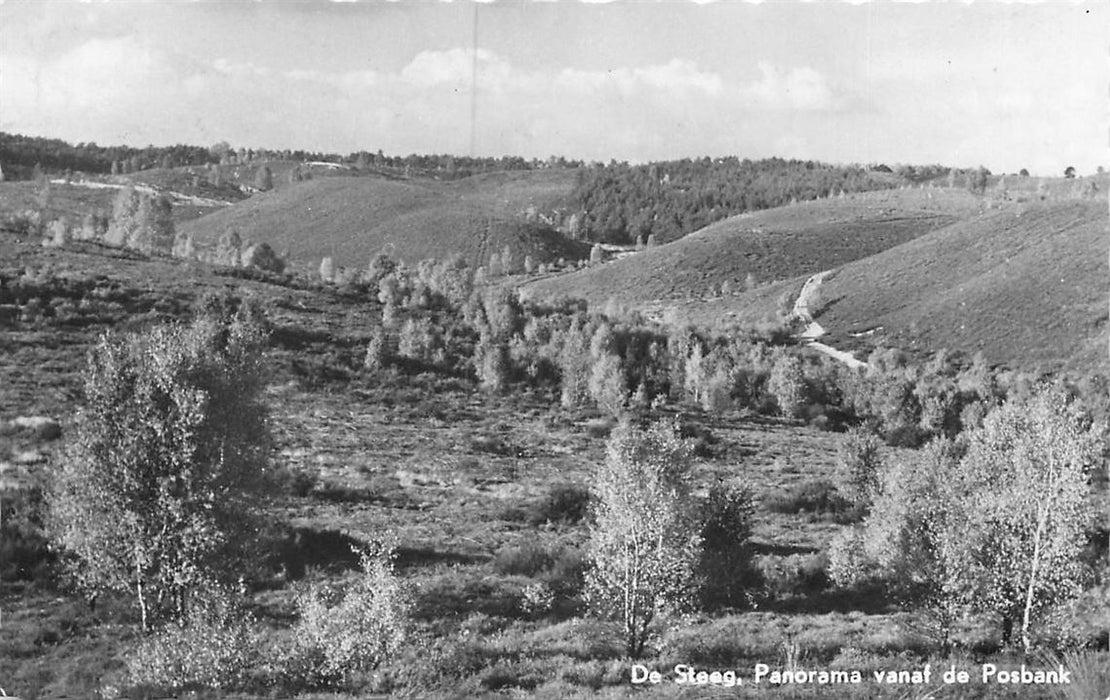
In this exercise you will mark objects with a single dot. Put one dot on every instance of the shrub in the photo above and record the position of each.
(859, 460)
(491, 363)
(418, 340)
(526, 560)
(377, 354)
(607, 386)
(24, 547)
(262, 257)
(537, 599)
(217, 647)
(794, 574)
(161, 473)
(787, 385)
(335, 639)
(327, 270)
(818, 497)
(563, 503)
(228, 249)
(726, 526)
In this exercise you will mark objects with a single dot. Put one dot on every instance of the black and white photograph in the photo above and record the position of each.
(554, 350)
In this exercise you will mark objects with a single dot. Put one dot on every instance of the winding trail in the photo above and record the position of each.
(813, 329)
(177, 197)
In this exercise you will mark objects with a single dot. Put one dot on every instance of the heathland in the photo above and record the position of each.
(447, 440)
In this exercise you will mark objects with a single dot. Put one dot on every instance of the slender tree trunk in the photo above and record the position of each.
(1028, 612)
(142, 603)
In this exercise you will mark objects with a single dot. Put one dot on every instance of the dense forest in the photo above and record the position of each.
(624, 203)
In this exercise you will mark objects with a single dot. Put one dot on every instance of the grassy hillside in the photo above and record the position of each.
(776, 244)
(354, 218)
(1026, 286)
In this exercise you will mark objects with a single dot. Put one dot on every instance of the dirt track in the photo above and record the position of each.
(813, 330)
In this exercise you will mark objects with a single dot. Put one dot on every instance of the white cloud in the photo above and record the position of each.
(799, 89)
(455, 67)
(90, 74)
(677, 74)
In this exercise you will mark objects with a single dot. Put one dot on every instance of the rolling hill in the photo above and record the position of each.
(775, 244)
(353, 218)
(1023, 282)
(1025, 286)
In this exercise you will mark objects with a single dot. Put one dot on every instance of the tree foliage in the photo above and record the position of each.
(154, 489)
(644, 545)
(998, 528)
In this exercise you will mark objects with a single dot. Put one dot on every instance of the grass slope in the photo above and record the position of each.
(354, 218)
(1024, 285)
(770, 245)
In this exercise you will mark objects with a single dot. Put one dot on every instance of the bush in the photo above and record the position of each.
(563, 503)
(334, 639)
(859, 460)
(794, 575)
(817, 497)
(526, 560)
(217, 646)
(24, 548)
(606, 384)
(787, 385)
(726, 526)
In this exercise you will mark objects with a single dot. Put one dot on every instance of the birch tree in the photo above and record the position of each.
(1024, 508)
(644, 545)
(154, 491)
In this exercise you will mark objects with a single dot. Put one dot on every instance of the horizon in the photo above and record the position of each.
(961, 86)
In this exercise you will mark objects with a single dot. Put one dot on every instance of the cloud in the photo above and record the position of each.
(799, 89)
(455, 66)
(676, 75)
(90, 74)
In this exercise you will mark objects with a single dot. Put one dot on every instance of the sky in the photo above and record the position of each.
(1004, 85)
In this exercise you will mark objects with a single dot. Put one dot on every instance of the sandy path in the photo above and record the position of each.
(177, 197)
(813, 330)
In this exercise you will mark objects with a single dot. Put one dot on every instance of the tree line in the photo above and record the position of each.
(622, 203)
